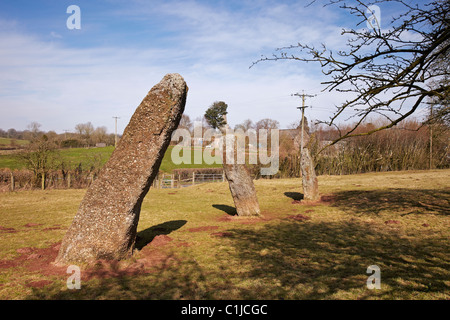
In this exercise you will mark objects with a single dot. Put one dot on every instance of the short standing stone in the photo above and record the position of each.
(240, 182)
(106, 222)
(242, 189)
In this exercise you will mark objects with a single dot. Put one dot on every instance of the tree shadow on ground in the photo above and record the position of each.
(172, 279)
(297, 196)
(301, 260)
(404, 201)
(329, 260)
(144, 237)
(288, 259)
(227, 209)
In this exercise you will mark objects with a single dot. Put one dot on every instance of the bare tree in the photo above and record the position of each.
(34, 128)
(388, 71)
(100, 134)
(39, 157)
(267, 124)
(186, 123)
(246, 125)
(85, 130)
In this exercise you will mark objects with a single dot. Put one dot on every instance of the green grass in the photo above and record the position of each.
(74, 156)
(167, 164)
(7, 142)
(10, 161)
(398, 221)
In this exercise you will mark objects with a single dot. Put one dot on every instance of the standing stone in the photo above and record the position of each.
(242, 189)
(240, 183)
(309, 178)
(106, 222)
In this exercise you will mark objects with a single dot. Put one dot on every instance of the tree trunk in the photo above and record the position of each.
(309, 178)
(43, 180)
(106, 222)
(68, 180)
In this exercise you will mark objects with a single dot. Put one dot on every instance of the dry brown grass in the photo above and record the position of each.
(191, 247)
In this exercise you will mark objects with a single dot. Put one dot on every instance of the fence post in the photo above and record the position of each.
(193, 178)
(223, 176)
(12, 181)
(68, 180)
(172, 180)
(43, 181)
(179, 181)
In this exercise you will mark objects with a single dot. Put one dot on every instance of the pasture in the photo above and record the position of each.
(192, 246)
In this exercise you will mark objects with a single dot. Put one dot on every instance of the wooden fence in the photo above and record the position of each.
(165, 180)
(24, 179)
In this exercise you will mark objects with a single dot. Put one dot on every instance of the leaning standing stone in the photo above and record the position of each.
(242, 189)
(106, 222)
(240, 181)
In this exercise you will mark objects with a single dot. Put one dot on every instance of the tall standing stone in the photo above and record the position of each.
(309, 178)
(106, 222)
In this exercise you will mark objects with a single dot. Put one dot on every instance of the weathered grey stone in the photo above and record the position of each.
(309, 178)
(106, 222)
(242, 189)
(240, 183)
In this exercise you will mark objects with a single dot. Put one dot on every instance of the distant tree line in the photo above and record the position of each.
(83, 135)
(410, 145)
(45, 167)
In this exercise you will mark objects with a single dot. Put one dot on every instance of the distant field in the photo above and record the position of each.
(7, 142)
(191, 246)
(73, 157)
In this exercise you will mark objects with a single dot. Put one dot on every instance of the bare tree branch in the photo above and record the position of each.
(387, 70)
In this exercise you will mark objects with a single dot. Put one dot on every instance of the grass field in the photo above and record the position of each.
(190, 246)
(7, 142)
(74, 156)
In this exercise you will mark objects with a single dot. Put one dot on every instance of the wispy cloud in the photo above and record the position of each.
(212, 46)
(53, 34)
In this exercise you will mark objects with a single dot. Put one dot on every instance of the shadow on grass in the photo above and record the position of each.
(297, 196)
(225, 208)
(144, 237)
(168, 281)
(329, 260)
(289, 260)
(404, 201)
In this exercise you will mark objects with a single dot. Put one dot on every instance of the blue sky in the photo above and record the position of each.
(60, 77)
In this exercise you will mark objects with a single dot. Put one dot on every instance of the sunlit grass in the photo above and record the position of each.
(73, 157)
(398, 221)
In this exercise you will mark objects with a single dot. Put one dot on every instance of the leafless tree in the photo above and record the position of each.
(85, 130)
(186, 123)
(100, 135)
(39, 157)
(390, 71)
(246, 125)
(267, 124)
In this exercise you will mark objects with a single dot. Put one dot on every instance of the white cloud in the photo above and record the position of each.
(53, 34)
(211, 47)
